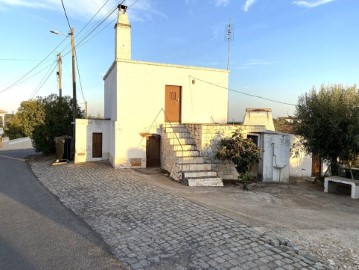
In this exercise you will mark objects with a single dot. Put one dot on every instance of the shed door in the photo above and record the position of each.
(153, 147)
(96, 145)
(316, 166)
(173, 104)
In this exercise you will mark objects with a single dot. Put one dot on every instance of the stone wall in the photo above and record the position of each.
(168, 158)
(208, 137)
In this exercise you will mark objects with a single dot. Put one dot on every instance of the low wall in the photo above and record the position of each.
(168, 158)
(208, 137)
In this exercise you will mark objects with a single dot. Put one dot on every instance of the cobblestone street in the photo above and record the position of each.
(148, 228)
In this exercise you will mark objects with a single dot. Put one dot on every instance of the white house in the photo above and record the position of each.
(140, 96)
(171, 116)
(2, 118)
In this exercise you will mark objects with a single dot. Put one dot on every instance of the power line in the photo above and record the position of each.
(133, 4)
(83, 28)
(23, 78)
(78, 72)
(67, 18)
(19, 59)
(43, 81)
(244, 93)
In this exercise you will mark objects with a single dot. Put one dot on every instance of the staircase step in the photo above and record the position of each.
(187, 153)
(195, 174)
(205, 182)
(192, 160)
(195, 167)
(181, 141)
(176, 129)
(186, 147)
(181, 135)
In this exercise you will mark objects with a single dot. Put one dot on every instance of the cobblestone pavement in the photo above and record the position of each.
(147, 228)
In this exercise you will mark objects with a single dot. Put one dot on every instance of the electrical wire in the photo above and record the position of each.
(23, 78)
(67, 18)
(19, 59)
(244, 93)
(83, 28)
(78, 35)
(44, 80)
(78, 72)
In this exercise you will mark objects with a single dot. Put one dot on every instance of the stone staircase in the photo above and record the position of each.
(190, 164)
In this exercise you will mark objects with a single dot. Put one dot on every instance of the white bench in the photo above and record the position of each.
(330, 184)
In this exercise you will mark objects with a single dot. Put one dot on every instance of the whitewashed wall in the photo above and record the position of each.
(110, 94)
(84, 130)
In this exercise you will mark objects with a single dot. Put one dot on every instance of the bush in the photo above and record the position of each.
(244, 153)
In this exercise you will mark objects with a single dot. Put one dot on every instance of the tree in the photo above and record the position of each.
(57, 122)
(13, 128)
(243, 152)
(283, 124)
(328, 122)
(31, 113)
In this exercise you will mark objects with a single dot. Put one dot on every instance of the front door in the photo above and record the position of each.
(173, 104)
(96, 145)
(153, 151)
(316, 166)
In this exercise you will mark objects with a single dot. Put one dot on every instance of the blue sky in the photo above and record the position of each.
(280, 48)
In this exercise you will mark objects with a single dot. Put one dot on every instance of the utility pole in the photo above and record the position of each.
(74, 100)
(85, 109)
(59, 73)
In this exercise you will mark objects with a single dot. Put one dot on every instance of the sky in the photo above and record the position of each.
(279, 49)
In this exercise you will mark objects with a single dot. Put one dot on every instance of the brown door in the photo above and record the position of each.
(96, 145)
(153, 147)
(173, 104)
(316, 166)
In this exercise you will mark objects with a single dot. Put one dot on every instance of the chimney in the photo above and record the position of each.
(123, 35)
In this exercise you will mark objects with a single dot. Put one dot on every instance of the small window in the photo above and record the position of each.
(254, 138)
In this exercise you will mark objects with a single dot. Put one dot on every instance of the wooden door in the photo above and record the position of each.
(316, 166)
(96, 145)
(153, 151)
(173, 103)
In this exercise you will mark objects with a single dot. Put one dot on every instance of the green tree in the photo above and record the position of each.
(31, 113)
(283, 124)
(57, 122)
(328, 122)
(243, 152)
(13, 128)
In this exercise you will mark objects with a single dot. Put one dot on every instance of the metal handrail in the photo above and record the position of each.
(166, 118)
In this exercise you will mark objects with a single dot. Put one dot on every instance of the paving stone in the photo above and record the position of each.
(147, 228)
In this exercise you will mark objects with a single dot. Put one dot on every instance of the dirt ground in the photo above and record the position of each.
(324, 225)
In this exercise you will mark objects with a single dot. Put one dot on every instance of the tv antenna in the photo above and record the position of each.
(229, 37)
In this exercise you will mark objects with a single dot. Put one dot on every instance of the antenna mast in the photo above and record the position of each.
(229, 37)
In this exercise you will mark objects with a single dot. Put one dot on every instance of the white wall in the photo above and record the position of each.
(275, 159)
(84, 130)
(259, 117)
(300, 161)
(141, 96)
(110, 94)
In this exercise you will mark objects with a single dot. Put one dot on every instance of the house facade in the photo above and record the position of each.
(171, 116)
(141, 96)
